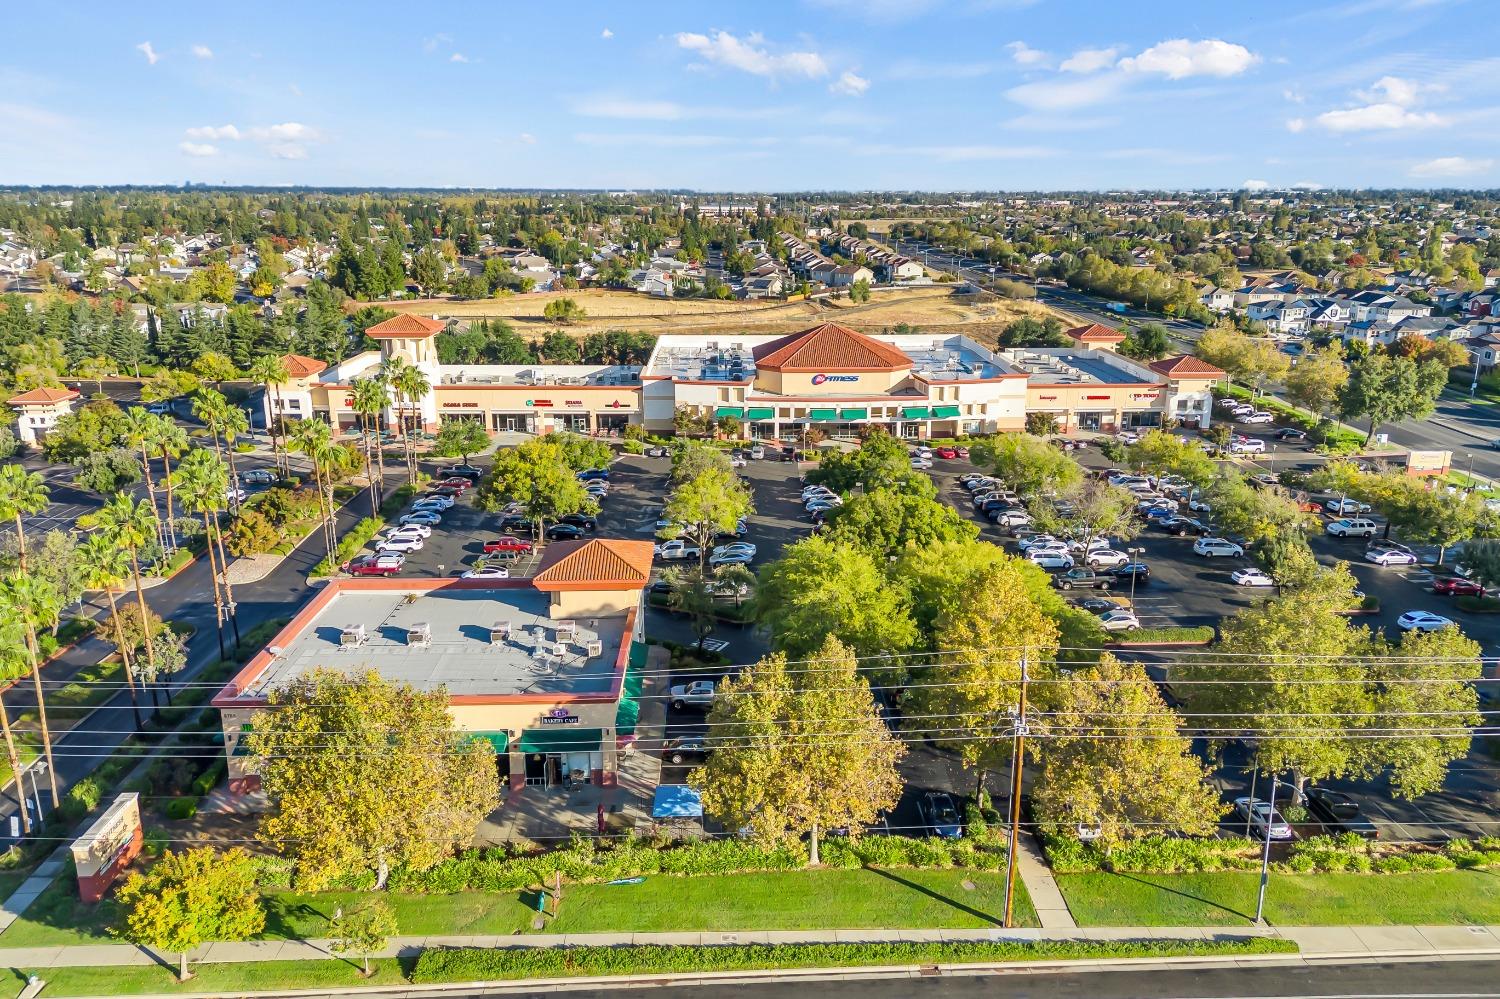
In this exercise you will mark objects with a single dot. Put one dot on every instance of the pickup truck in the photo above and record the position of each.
(1339, 813)
(677, 549)
(1082, 579)
(698, 694)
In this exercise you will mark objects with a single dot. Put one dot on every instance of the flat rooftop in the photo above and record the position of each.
(538, 375)
(1062, 366)
(731, 359)
(459, 654)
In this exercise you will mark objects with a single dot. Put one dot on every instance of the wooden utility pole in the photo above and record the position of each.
(1015, 796)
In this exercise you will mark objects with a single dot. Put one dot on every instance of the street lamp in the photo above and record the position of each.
(1265, 854)
(1134, 553)
(1469, 475)
(39, 767)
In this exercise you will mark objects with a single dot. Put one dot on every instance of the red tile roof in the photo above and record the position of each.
(406, 326)
(302, 366)
(829, 347)
(1186, 366)
(1095, 333)
(43, 397)
(596, 564)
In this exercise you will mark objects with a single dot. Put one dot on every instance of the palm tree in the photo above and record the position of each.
(393, 371)
(271, 373)
(104, 567)
(34, 603)
(370, 397)
(142, 430)
(21, 492)
(314, 439)
(236, 424)
(202, 481)
(169, 441)
(212, 408)
(127, 526)
(414, 385)
(11, 668)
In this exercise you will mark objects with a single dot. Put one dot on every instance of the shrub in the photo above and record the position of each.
(209, 779)
(252, 533)
(359, 535)
(81, 799)
(1201, 634)
(1112, 450)
(182, 808)
(1041, 424)
(1151, 855)
(1478, 605)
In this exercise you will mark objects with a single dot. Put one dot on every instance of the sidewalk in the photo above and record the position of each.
(1051, 908)
(1322, 942)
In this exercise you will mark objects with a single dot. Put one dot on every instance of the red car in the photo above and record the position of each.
(455, 482)
(374, 565)
(961, 451)
(947, 452)
(506, 544)
(1457, 586)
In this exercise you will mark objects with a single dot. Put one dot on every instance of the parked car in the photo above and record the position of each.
(736, 548)
(486, 571)
(374, 565)
(1250, 576)
(1119, 620)
(1036, 540)
(1105, 558)
(676, 550)
(730, 558)
(1291, 434)
(1097, 605)
(594, 475)
(1217, 548)
(564, 532)
(1340, 813)
(1420, 620)
(1139, 570)
(429, 518)
(461, 471)
(400, 543)
(1247, 445)
(959, 451)
(919, 463)
(257, 477)
(657, 451)
(422, 531)
(1456, 586)
(947, 452)
(940, 815)
(1344, 507)
(685, 749)
(582, 520)
(456, 482)
(757, 452)
(443, 501)
(505, 544)
(1262, 818)
(1352, 527)
(1182, 526)
(1051, 559)
(1009, 517)
(513, 522)
(1200, 505)
(1258, 416)
(1083, 579)
(450, 492)
(235, 494)
(698, 694)
(1389, 556)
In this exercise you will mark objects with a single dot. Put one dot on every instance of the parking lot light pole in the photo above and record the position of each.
(1135, 554)
(1015, 796)
(1265, 854)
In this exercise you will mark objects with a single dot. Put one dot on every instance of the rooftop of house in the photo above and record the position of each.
(444, 633)
(1072, 366)
(45, 396)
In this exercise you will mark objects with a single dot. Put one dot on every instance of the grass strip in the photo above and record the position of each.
(463, 965)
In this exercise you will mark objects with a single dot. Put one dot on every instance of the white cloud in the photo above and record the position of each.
(150, 53)
(1399, 91)
(1054, 95)
(203, 52)
(751, 56)
(1452, 166)
(432, 44)
(1024, 55)
(527, 137)
(850, 85)
(1180, 58)
(628, 109)
(287, 151)
(1294, 96)
(959, 154)
(1378, 117)
(656, 139)
(213, 132)
(606, 33)
(1254, 185)
(458, 57)
(285, 132)
(1089, 60)
(1057, 123)
(1307, 185)
(198, 148)
(1296, 124)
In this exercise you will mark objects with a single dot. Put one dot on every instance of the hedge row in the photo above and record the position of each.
(1315, 855)
(583, 860)
(359, 535)
(1202, 634)
(458, 965)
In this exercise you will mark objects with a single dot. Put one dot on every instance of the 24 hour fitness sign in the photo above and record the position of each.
(820, 379)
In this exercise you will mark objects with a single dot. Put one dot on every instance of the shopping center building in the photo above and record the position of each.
(546, 669)
(828, 377)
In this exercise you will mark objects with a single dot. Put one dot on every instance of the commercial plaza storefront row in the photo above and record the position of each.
(548, 670)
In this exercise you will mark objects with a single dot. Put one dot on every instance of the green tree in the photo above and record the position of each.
(859, 292)
(411, 788)
(314, 440)
(33, 604)
(411, 384)
(563, 310)
(1257, 515)
(22, 493)
(1115, 761)
(362, 931)
(1097, 510)
(202, 482)
(802, 750)
(106, 472)
(104, 567)
(1029, 465)
(705, 506)
(1426, 689)
(1482, 558)
(428, 270)
(98, 425)
(1159, 453)
(211, 366)
(187, 899)
(128, 526)
(818, 589)
(884, 522)
(460, 438)
(1387, 389)
(271, 374)
(1148, 343)
(537, 477)
(1316, 380)
(1423, 515)
(880, 462)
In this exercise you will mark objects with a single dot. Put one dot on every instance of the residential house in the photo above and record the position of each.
(1216, 299)
(38, 411)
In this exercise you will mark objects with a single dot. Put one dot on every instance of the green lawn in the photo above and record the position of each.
(1435, 897)
(775, 900)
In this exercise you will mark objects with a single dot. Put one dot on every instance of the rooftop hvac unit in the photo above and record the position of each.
(419, 635)
(499, 632)
(559, 650)
(596, 648)
(352, 636)
(567, 631)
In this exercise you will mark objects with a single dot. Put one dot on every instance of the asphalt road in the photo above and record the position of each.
(1366, 980)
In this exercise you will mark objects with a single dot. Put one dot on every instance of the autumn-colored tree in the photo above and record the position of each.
(190, 898)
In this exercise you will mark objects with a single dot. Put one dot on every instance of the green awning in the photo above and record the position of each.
(915, 412)
(760, 413)
(945, 412)
(854, 414)
(629, 711)
(735, 411)
(823, 414)
(561, 739)
(499, 741)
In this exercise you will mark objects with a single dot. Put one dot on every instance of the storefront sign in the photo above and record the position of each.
(820, 379)
(559, 716)
(1047, 398)
(1145, 395)
(573, 402)
(1096, 397)
(460, 405)
(538, 402)
(616, 404)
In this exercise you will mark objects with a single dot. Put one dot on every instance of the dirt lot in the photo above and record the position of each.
(935, 309)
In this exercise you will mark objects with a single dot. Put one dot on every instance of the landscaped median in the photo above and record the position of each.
(1201, 635)
(439, 966)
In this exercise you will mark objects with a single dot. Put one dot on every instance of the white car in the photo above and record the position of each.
(1119, 620)
(1257, 416)
(1217, 547)
(1390, 556)
(419, 530)
(1420, 620)
(736, 461)
(919, 463)
(1050, 559)
(1105, 558)
(1200, 506)
(1251, 577)
(487, 572)
(1036, 541)
(1352, 527)
(1248, 445)
(405, 543)
(1262, 817)
(235, 494)
(809, 492)
(1012, 518)
(677, 549)
(1344, 507)
(735, 548)
(1095, 544)
(427, 517)
(441, 502)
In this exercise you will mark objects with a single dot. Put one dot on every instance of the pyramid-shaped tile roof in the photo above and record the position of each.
(1095, 333)
(829, 347)
(43, 396)
(302, 366)
(406, 325)
(1186, 366)
(595, 564)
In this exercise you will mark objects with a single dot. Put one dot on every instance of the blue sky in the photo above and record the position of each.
(777, 95)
